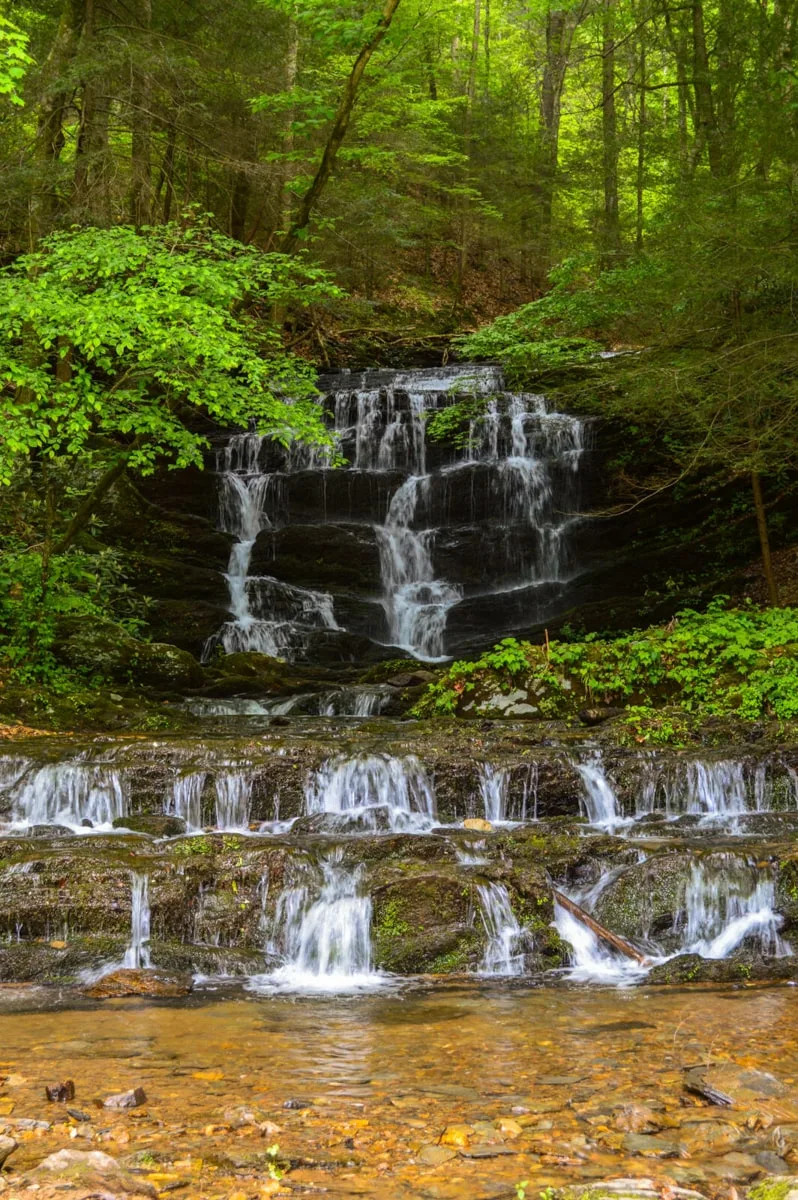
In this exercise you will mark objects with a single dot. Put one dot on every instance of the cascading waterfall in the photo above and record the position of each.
(69, 794)
(727, 902)
(494, 783)
(186, 798)
(503, 952)
(372, 787)
(268, 616)
(233, 800)
(598, 800)
(324, 942)
(137, 955)
(510, 496)
(715, 789)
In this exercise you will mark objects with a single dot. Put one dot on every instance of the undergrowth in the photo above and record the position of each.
(740, 662)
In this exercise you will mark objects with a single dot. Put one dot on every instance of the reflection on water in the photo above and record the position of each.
(538, 1076)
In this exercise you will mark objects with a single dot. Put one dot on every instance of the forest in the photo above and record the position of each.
(399, 599)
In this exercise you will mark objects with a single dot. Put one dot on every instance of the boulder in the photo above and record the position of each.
(164, 667)
(100, 647)
(155, 824)
(7, 1148)
(145, 982)
(91, 1170)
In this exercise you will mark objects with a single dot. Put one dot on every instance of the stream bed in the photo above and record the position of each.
(457, 1090)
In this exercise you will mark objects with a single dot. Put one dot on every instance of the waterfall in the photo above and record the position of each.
(494, 783)
(233, 800)
(598, 800)
(714, 789)
(268, 616)
(503, 953)
(726, 902)
(372, 786)
(416, 604)
(325, 943)
(452, 526)
(69, 793)
(186, 798)
(137, 954)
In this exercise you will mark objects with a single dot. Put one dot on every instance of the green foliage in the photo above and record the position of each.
(127, 335)
(740, 662)
(14, 61)
(35, 594)
(455, 423)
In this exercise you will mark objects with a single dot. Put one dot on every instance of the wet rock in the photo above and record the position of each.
(650, 1146)
(457, 1135)
(627, 1189)
(7, 1148)
(741, 967)
(478, 824)
(60, 1093)
(122, 1100)
(738, 1086)
(49, 831)
(91, 1170)
(435, 1156)
(409, 679)
(647, 898)
(636, 1118)
(296, 1104)
(710, 1137)
(156, 825)
(598, 714)
(164, 667)
(772, 1163)
(129, 982)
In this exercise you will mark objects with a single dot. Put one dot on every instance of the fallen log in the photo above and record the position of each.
(606, 935)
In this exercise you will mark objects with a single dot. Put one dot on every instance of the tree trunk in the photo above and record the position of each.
(141, 194)
(641, 142)
(166, 181)
(282, 216)
(338, 131)
(89, 505)
(706, 122)
(558, 45)
(90, 200)
(56, 95)
(764, 539)
(611, 235)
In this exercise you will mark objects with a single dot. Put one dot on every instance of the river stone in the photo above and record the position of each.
(122, 1100)
(92, 1170)
(7, 1148)
(145, 982)
(650, 1146)
(741, 1084)
(636, 1118)
(435, 1156)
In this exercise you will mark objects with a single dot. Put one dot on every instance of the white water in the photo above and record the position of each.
(494, 784)
(726, 901)
(233, 800)
(714, 789)
(374, 786)
(69, 793)
(186, 798)
(416, 603)
(137, 954)
(268, 616)
(520, 465)
(503, 953)
(598, 800)
(324, 941)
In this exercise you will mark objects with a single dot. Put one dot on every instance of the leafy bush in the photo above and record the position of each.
(741, 662)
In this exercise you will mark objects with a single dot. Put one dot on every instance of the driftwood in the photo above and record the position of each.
(612, 939)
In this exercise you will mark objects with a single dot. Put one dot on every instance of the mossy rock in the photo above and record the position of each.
(645, 901)
(424, 918)
(742, 968)
(154, 824)
(164, 667)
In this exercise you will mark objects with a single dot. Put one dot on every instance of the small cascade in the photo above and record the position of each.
(715, 789)
(494, 784)
(268, 616)
(727, 901)
(416, 604)
(71, 794)
(186, 798)
(233, 800)
(325, 942)
(137, 955)
(374, 791)
(598, 800)
(503, 953)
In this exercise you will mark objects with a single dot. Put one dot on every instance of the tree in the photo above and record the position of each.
(14, 61)
(114, 342)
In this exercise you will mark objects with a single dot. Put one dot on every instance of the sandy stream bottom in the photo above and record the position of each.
(459, 1090)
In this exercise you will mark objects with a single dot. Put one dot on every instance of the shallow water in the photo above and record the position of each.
(376, 1080)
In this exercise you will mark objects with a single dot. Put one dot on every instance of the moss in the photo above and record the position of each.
(772, 1189)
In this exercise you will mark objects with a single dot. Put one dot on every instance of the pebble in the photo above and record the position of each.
(7, 1147)
(434, 1156)
(132, 1099)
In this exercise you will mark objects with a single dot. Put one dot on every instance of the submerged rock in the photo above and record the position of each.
(97, 1173)
(7, 1148)
(122, 1100)
(149, 982)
